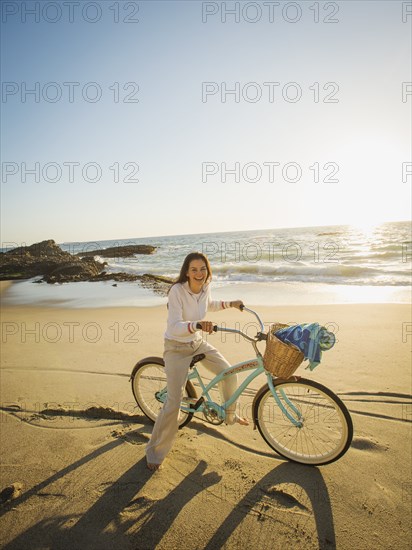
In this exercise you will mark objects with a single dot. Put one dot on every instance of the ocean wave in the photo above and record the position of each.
(346, 272)
(331, 254)
(336, 274)
(338, 269)
(384, 281)
(372, 256)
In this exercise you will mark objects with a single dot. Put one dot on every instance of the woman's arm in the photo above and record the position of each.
(218, 305)
(238, 304)
(175, 323)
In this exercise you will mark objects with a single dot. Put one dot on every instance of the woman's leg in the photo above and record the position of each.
(177, 358)
(216, 363)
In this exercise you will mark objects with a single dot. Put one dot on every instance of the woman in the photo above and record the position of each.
(189, 300)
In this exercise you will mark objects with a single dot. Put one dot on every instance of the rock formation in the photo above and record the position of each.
(48, 261)
(119, 251)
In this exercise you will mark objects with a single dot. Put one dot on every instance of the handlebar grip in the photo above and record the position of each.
(242, 307)
(198, 325)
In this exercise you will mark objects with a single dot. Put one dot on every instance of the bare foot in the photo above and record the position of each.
(237, 420)
(242, 421)
(154, 467)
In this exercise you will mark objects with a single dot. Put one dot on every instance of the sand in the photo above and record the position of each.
(73, 439)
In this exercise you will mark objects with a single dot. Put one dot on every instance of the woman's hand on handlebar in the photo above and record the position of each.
(206, 326)
(209, 327)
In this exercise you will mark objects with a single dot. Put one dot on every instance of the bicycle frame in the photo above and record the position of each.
(255, 364)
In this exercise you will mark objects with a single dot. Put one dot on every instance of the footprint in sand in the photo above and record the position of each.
(283, 499)
(233, 464)
(133, 437)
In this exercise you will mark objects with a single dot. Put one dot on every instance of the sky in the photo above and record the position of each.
(156, 118)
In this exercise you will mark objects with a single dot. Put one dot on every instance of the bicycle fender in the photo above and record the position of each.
(146, 360)
(264, 389)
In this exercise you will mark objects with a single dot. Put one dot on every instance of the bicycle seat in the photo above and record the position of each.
(196, 359)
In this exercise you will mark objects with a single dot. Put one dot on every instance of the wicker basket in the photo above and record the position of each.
(281, 359)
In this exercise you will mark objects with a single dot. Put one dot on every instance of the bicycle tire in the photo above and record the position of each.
(325, 433)
(148, 378)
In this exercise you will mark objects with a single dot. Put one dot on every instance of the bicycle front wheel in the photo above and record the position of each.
(305, 423)
(149, 387)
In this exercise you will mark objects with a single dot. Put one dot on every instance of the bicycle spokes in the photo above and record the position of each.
(284, 403)
(293, 414)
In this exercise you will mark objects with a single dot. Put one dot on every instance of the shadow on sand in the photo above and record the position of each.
(123, 518)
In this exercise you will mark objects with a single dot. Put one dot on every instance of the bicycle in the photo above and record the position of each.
(298, 418)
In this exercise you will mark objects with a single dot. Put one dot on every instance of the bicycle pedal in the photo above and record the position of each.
(189, 400)
(198, 403)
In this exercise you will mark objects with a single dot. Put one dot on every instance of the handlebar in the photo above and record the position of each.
(259, 336)
(262, 328)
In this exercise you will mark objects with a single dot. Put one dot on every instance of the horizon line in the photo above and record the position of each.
(373, 224)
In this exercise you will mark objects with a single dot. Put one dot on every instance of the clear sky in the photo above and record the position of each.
(317, 99)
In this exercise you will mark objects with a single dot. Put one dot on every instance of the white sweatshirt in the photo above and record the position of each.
(185, 309)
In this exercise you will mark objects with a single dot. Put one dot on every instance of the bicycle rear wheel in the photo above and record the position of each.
(149, 387)
(322, 431)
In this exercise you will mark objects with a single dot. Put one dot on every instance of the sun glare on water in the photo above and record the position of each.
(368, 228)
(370, 294)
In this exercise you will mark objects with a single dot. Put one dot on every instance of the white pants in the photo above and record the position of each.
(177, 357)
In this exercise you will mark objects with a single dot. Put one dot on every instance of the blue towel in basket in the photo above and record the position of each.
(310, 338)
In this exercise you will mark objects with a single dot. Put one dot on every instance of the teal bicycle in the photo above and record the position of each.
(298, 418)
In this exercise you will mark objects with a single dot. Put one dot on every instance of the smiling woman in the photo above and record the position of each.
(197, 275)
(196, 271)
(189, 300)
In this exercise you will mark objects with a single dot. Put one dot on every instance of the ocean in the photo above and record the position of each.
(310, 265)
